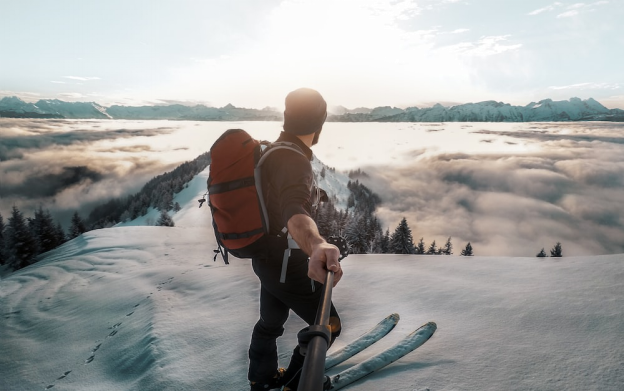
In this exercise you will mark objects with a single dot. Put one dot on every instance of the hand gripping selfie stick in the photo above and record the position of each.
(315, 339)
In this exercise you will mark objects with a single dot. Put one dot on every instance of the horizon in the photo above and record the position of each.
(330, 107)
(251, 54)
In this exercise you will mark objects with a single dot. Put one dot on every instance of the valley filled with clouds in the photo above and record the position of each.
(508, 188)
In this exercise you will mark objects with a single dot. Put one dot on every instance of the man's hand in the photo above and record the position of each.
(324, 257)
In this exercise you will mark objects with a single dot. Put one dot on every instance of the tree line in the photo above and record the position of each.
(157, 193)
(22, 239)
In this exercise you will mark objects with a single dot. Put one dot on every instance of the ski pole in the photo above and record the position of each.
(313, 371)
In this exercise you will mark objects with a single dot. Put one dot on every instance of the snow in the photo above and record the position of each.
(143, 307)
(334, 183)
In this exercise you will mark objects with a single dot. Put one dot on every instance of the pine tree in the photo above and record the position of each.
(420, 248)
(433, 249)
(541, 253)
(77, 226)
(356, 235)
(351, 201)
(61, 238)
(447, 249)
(44, 230)
(21, 244)
(166, 201)
(467, 251)
(556, 251)
(2, 242)
(402, 241)
(385, 242)
(165, 220)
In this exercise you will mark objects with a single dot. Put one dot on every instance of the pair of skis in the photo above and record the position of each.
(408, 344)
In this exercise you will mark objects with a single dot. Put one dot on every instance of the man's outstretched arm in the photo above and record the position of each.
(323, 256)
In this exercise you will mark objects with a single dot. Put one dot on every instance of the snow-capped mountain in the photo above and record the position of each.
(51, 108)
(15, 107)
(197, 112)
(54, 108)
(82, 110)
(574, 109)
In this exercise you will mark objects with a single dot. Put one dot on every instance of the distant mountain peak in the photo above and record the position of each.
(573, 109)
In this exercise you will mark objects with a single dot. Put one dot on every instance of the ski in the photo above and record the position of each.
(410, 343)
(379, 331)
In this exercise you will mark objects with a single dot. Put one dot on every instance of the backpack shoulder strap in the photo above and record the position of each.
(268, 148)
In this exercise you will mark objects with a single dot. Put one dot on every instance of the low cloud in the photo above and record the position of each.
(72, 170)
(570, 190)
(46, 184)
(13, 147)
(82, 78)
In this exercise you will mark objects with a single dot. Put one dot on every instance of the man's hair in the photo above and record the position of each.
(305, 112)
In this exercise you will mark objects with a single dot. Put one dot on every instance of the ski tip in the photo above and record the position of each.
(429, 325)
(395, 317)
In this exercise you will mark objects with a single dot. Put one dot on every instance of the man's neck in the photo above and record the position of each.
(307, 139)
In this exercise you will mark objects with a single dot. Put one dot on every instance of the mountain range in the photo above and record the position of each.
(573, 109)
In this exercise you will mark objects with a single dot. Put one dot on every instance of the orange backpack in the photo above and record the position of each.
(239, 214)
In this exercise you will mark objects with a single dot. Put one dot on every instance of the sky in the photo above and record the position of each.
(356, 53)
(146, 308)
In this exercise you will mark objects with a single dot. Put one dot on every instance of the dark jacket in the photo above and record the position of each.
(287, 183)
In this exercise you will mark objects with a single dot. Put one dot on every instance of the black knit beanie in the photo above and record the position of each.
(305, 112)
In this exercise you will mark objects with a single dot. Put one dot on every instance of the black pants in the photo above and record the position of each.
(276, 299)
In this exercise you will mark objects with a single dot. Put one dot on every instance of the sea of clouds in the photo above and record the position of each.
(508, 188)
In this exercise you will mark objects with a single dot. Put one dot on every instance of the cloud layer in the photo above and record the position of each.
(71, 165)
(570, 190)
(509, 189)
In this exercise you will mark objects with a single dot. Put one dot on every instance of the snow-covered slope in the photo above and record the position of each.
(333, 182)
(146, 308)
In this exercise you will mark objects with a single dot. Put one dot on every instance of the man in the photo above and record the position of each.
(288, 190)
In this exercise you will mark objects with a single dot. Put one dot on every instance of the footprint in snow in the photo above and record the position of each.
(90, 359)
(65, 374)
